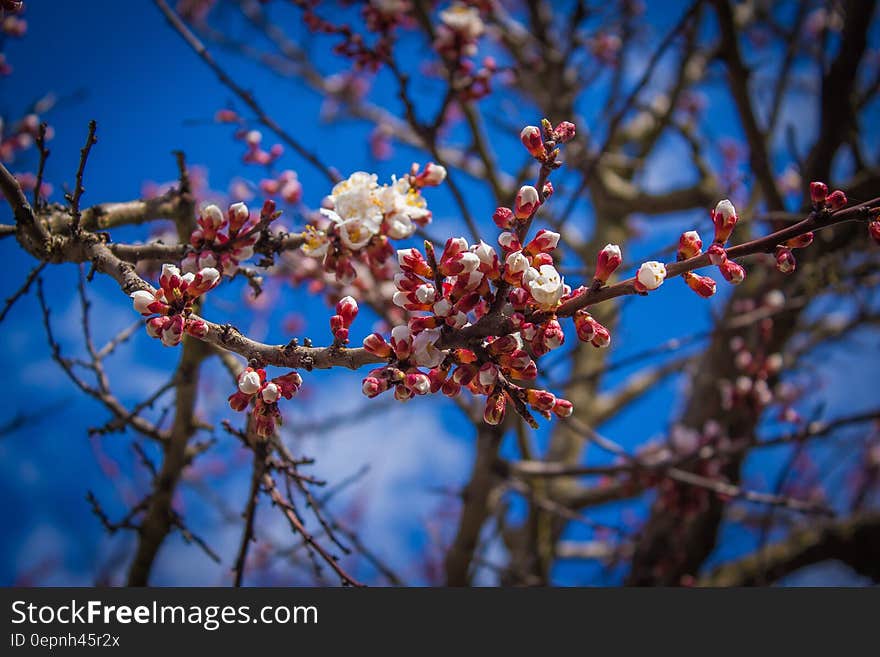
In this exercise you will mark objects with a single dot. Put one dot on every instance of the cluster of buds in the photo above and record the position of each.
(822, 200)
(360, 217)
(254, 387)
(10, 25)
(286, 185)
(541, 143)
(346, 311)
(173, 303)
(459, 30)
(384, 15)
(690, 245)
(456, 41)
(752, 387)
(254, 152)
(224, 241)
(455, 290)
(20, 135)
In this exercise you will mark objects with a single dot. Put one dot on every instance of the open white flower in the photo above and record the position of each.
(425, 351)
(545, 285)
(464, 20)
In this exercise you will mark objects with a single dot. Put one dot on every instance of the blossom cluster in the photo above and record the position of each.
(456, 39)
(360, 217)
(170, 307)
(262, 394)
(224, 241)
(452, 292)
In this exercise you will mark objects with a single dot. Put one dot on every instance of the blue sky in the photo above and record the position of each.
(120, 64)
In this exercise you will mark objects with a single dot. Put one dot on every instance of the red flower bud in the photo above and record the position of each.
(496, 404)
(733, 273)
(785, 261)
(818, 192)
(689, 245)
(800, 241)
(717, 255)
(724, 217)
(874, 230)
(527, 202)
(347, 308)
(836, 200)
(540, 400)
(503, 218)
(531, 139)
(563, 408)
(609, 259)
(702, 285)
(564, 132)
(375, 344)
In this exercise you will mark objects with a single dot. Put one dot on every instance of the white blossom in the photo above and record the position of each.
(651, 274)
(545, 285)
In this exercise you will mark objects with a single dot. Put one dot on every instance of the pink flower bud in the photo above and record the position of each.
(413, 261)
(543, 242)
(837, 200)
(724, 217)
(552, 335)
(547, 190)
(733, 273)
(376, 345)
(531, 139)
(401, 341)
(874, 230)
(206, 279)
(496, 404)
(540, 400)
(288, 384)
(602, 338)
(437, 376)
(373, 387)
(226, 116)
(433, 175)
(504, 345)
(347, 308)
(503, 218)
(142, 301)
(451, 388)
(196, 328)
(609, 260)
(702, 285)
(564, 132)
(801, 241)
(689, 245)
(418, 383)
(156, 325)
(238, 214)
(527, 202)
(173, 331)
(818, 193)
(464, 374)
(717, 255)
(563, 408)
(509, 242)
(785, 261)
